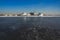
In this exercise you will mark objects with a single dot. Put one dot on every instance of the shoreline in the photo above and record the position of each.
(29, 16)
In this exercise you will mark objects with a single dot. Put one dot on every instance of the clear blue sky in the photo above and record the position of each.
(44, 6)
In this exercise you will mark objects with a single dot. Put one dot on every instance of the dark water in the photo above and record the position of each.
(9, 26)
(17, 22)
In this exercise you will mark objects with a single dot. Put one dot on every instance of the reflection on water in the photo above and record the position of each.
(11, 27)
(16, 22)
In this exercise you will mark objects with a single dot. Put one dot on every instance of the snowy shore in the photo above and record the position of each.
(29, 16)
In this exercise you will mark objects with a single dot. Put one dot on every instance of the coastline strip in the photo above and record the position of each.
(29, 16)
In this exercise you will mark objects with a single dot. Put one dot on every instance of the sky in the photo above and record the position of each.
(17, 6)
